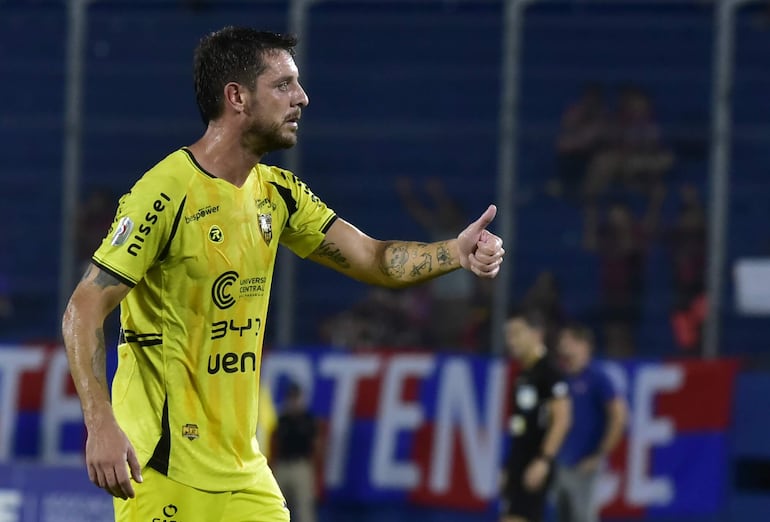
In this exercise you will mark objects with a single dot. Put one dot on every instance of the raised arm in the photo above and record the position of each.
(107, 448)
(396, 264)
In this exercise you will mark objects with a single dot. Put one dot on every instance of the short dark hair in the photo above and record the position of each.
(533, 317)
(580, 332)
(232, 54)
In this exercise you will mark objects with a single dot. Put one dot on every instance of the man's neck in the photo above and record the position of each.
(220, 153)
(533, 356)
(578, 369)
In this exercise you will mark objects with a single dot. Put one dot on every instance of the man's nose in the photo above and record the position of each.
(302, 99)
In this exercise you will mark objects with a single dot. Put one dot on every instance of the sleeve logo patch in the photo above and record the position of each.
(122, 231)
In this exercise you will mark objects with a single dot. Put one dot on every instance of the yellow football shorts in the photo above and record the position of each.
(160, 499)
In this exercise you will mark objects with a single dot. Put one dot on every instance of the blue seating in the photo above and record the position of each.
(396, 89)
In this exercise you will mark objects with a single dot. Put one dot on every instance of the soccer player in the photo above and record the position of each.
(599, 418)
(190, 260)
(539, 421)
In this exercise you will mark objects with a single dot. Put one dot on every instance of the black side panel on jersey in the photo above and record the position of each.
(291, 203)
(174, 228)
(160, 457)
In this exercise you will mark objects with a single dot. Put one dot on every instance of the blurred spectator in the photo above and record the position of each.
(598, 419)
(94, 220)
(451, 295)
(384, 319)
(687, 246)
(545, 296)
(634, 156)
(583, 131)
(621, 242)
(539, 420)
(295, 448)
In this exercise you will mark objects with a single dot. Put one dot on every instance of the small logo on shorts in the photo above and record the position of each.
(190, 431)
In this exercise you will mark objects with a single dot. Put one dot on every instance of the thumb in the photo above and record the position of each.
(133, 463)
(486, 218)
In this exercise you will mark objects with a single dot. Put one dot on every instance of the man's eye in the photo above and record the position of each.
(284, 86)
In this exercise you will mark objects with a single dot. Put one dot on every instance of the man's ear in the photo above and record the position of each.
(235, 97)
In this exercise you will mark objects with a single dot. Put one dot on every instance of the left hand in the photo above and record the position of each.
(535, 474)
(589, 464)
(481, 251)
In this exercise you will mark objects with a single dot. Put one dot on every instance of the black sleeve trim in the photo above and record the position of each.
(291, 203)
(329, 224)
(123, 279)
(174, 228)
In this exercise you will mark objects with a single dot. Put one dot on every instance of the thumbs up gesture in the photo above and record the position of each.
(481, 251)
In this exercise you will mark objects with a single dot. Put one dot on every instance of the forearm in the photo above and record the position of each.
(609, 440)
(405, 263)
(553, 440)
(556, 433)
(97, 294)
(397, 264)
(84, 341)
(613, 432)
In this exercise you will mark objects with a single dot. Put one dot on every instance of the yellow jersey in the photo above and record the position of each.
(199, 255)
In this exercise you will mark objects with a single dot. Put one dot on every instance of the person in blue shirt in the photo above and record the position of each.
(598, 421)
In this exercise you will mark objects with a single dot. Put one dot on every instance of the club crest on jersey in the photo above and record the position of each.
(216, 235)
(266, 227)
(190, 431)
(122, 231)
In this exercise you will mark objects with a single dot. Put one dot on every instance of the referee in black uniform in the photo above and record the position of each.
(539, 420)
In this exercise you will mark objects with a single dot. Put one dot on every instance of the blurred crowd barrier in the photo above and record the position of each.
(420, 429)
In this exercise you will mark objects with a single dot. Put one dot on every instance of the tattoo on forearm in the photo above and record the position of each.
(103, 279)
(443, 255)
(424, 267)
(99, 358)
(414, 262)
(87, 272)
(394, 260)
(331, 251)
